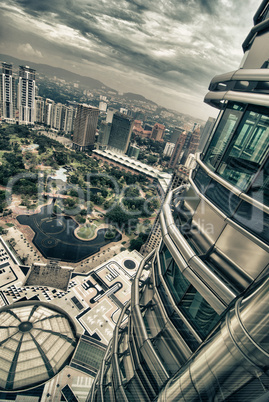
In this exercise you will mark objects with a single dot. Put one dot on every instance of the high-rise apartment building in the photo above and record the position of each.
(49, 112)
(26, 95)
(69, 118)
(7, 93)
(39, 110)
(120, 133)
(197, 327)
(168, 149)
(157, 132)
(57, 116)
(85, 127)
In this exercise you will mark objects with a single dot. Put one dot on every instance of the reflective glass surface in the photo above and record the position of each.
(224, 199)
(194, 307)
(246, 151)
(260, 186)
(201, 180)
(254, 219)
(199, 312)
(223, 133)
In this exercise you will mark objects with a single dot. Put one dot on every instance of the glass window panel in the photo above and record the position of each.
(201, 180)
(166, 302)
(260, 186)
(176, 282)
(184, 332)
(222, 197)
(254, 219)
(165, 258)
(202, 316)
(222, 135)
(247, 150)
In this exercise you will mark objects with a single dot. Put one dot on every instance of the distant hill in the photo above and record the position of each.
(69, 76)
(50, 72)
(135, 97)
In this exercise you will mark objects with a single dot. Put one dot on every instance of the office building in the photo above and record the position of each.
(7, 93)
(120, 133)
(187, 143)
(104, 132)
(157, 132)
(85, 127)
(197, 328)
(26, 95)
(123, 110)
(177, 151)
(133, 151)
(175, 134)
(102, 106)
(109, 115)
(190, 145)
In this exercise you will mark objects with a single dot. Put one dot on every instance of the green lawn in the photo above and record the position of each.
(86, 232)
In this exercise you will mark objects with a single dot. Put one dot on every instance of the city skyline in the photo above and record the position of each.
(165, 52)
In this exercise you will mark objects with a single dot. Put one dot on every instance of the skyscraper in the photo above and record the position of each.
(177, 151)
(7, 93)
(85, 127)
(120, 133)
(26, 95)
(176, 134)
(205, 133)
(187, 143)
(197, 327)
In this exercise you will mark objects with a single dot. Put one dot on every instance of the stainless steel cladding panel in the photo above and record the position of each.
(243, 251)
(233, 357)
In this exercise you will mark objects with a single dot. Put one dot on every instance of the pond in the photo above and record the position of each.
(54, 236)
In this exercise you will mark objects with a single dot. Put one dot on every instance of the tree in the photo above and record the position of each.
(151, 159)
(136, 244)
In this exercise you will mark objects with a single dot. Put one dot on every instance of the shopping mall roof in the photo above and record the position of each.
(36, 341)
(130, 163)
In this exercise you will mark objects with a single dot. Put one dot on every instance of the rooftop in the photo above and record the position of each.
(36, 341)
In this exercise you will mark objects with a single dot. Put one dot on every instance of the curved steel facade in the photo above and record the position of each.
(197, 327)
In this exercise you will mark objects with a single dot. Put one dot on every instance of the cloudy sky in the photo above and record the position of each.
(166, 50)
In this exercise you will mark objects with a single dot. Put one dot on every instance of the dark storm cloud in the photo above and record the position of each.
(169, 42)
